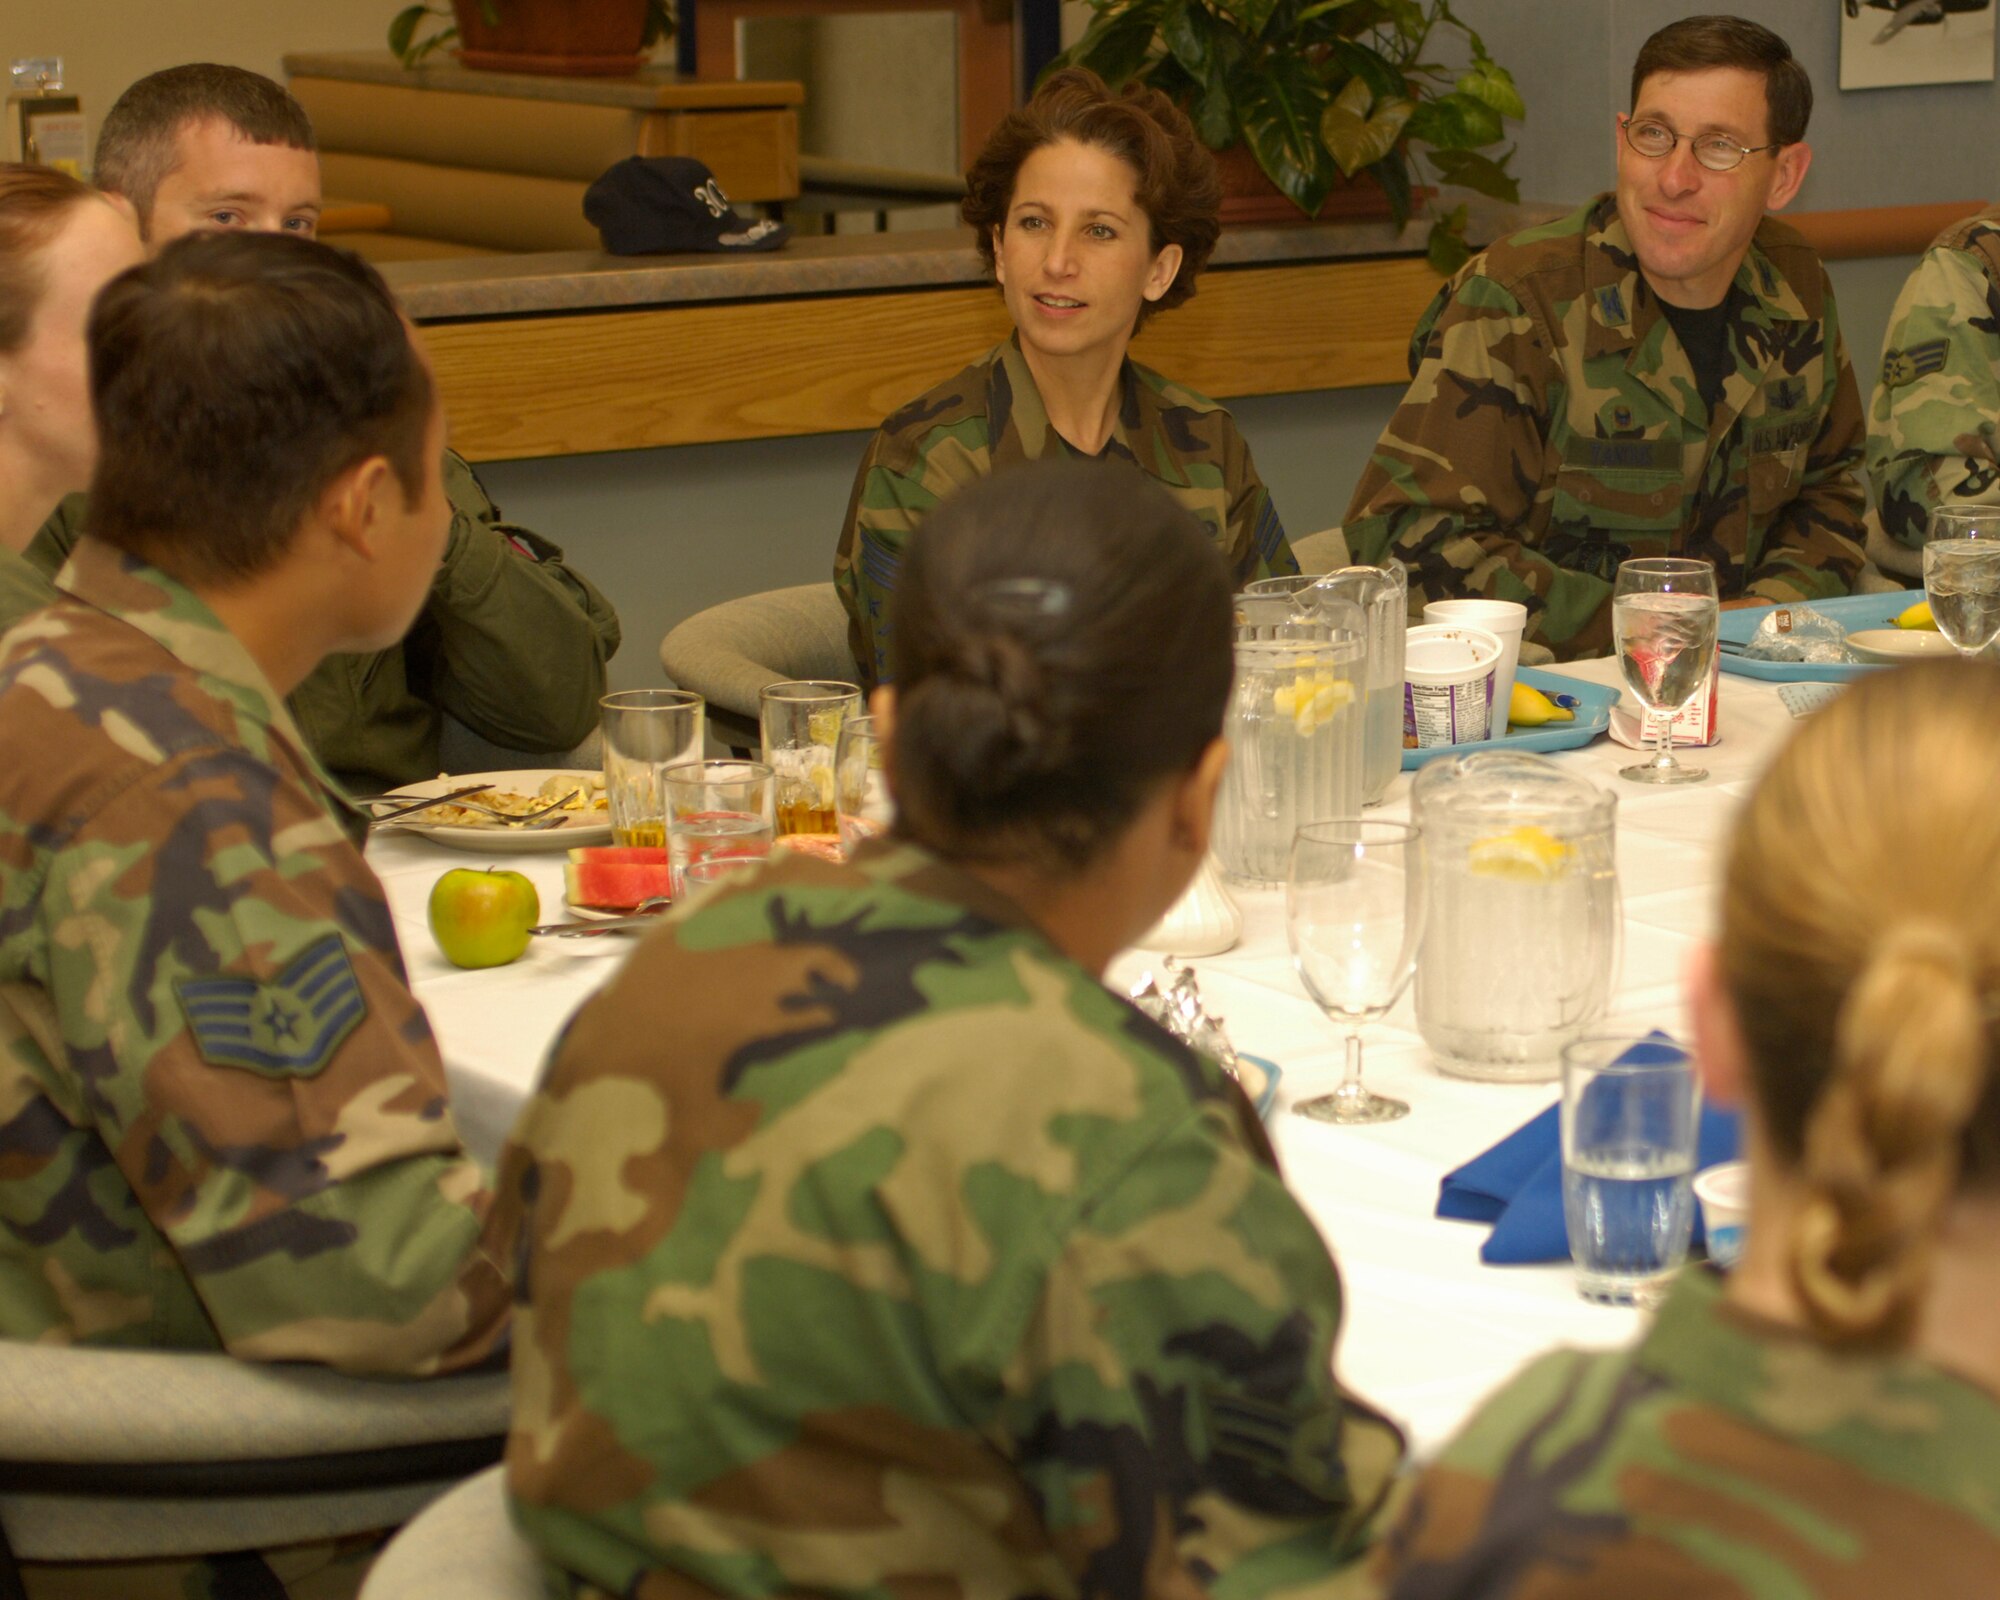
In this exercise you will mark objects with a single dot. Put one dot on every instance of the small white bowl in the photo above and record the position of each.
(1724, 1193)
(1888, 646)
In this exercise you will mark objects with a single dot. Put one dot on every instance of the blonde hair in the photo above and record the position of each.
(1859, 945)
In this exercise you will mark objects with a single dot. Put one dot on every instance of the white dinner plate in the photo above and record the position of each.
(576, 828)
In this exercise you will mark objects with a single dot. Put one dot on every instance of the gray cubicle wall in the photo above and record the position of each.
(667, 532)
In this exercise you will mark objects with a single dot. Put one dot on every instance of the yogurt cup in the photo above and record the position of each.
(1505, 620)
(1724, 1193)
(1448, 673)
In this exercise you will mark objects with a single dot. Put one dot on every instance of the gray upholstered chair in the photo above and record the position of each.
(1322, 551)
(112, 1454)
(729, 653)
(463, 1546)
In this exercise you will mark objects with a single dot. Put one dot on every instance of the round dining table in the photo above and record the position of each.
(1428, 1329)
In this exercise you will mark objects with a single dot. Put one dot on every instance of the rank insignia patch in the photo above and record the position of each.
(286, 1027)
(1901, 367)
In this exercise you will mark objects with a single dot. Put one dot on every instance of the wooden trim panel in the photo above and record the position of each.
(698, 374)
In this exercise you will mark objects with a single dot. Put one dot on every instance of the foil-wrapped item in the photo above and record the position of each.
(1797, 633)
(1179, 1010)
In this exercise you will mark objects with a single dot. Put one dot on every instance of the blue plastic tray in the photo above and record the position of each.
(1851, 611)
(1593, 716)
(1268, 1096)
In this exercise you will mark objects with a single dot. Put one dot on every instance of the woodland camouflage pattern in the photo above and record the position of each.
(1553, 429)
(510, 641)
(223, 1121)
(1721, 1457)
(1934, 423)
(990, 416)
(875, 1249)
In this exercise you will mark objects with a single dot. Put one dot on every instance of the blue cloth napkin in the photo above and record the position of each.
(1517, 1186)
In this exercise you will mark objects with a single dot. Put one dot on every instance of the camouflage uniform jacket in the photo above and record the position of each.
(223, 1121)
(1934, 422)
(511, 642)
(1722, 1456)
(1553, 428)
(990, 416)
(874, 1248)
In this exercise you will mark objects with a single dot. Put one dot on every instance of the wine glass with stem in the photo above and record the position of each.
(1354, 913)
(1962, 575)
(1664, 612)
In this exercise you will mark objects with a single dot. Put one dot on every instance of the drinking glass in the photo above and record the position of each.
(861, 800)
(1354, 912)
(716, 811)
(1962, 575)
(1663, 617)
(801, 724)
(646, 731)
(1631, 1122)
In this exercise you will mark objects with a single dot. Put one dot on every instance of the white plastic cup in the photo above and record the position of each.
(1724, 1193)
(1505, 620)
(1448, 671)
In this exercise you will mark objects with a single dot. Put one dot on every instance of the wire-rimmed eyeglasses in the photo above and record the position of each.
(1715, 151)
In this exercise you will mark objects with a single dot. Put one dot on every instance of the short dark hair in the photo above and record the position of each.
(1060, 644)
(137, 148)
(1175, 178)
(233, 379)
(1695, 44)
(35, 203)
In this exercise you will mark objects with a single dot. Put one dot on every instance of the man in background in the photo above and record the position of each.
(510, 641)
(1934, 424)
(1659, 373)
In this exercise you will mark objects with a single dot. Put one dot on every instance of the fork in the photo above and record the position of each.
(505, 818)
(643, 915)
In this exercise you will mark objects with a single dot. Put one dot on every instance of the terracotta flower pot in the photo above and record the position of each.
(1248, 196)
(584, 38)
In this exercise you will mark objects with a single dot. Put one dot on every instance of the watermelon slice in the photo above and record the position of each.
(615, 885)
(620, 855)
(824, 845)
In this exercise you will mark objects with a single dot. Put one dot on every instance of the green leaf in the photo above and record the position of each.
(402, 29)
(1383, 81)
(1467, 169)
(1493, 85)
(1116, 45)
(1455, 122)
(660, 22)
(1393, 173)
(1313, 13)
(1357, 140)
(1447, 248)
(1280, 108)
(1252, 16)
(1186, 30)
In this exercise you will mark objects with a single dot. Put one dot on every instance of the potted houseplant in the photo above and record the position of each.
(1324, 94)
(586, 37)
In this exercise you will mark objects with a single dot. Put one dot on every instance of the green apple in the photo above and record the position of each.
(481, 919)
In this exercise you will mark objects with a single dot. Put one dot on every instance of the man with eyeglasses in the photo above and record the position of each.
(1659, 373)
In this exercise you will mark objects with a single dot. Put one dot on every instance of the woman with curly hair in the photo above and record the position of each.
(1094, 210)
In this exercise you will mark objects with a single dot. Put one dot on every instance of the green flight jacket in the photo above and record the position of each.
(1553, 429)
(223, 1116)
(510, 641)
(1934, 419)
(872, 1247)
(991, 416)
(1722, 1455)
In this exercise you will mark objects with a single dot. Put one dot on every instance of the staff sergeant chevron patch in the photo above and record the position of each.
(289, 1026)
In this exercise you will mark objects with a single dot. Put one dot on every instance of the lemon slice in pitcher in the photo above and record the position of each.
(1526, 854)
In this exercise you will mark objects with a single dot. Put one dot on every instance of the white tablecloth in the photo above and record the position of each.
(1428, 1329)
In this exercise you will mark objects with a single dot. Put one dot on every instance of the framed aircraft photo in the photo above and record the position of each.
(1887, 44)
